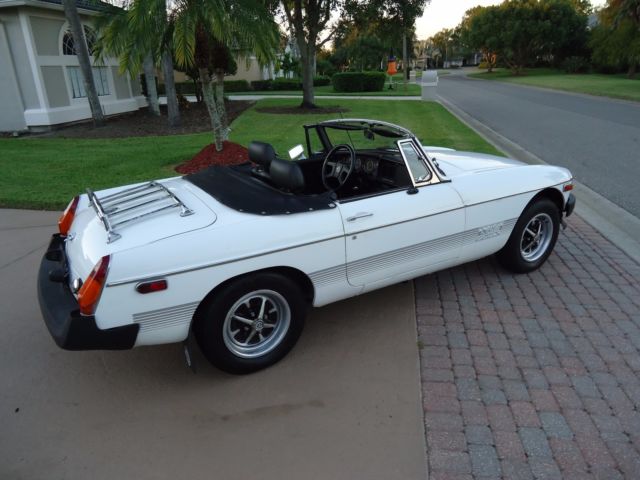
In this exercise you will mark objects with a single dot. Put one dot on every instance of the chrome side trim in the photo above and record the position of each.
(329, 275)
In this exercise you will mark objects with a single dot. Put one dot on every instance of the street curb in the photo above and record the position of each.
(616, 224)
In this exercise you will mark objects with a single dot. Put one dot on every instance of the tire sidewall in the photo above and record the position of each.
(209, 322)
(511, 255)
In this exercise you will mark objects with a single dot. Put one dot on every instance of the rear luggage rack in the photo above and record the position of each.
(133, 204)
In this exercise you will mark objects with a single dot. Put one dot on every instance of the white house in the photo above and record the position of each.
(40, 79)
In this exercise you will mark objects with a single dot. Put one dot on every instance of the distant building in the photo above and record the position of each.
(40, 80)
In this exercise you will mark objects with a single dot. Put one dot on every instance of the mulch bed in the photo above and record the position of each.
(231, 154)
(300, 110)
(141, 123)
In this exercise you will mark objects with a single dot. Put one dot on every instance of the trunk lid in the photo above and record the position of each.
(122, 218)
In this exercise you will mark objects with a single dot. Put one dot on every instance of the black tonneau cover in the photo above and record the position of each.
(236, 188)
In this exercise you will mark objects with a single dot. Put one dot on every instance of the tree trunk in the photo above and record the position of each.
(631, 73)
(150, 81)
(307, 56)
(173, 111)
(210, 101)
(405, 63)
(222, 111)
(80, 45)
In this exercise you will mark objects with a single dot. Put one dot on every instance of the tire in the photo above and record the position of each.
(231, 333)
(523, 253)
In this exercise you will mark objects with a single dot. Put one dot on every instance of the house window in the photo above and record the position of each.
(77, 83)
(68, 42)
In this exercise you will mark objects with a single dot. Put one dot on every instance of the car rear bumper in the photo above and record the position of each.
(570, 205)
(70, 329)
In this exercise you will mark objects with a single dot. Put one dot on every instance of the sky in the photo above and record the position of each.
(441, 14)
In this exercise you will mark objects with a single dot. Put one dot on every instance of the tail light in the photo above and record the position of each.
(91, 289)
(567, 187)
(66, 219)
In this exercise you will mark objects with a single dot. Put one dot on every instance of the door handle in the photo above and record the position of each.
(359, 215)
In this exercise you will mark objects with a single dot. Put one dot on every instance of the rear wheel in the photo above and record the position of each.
(533, 237)
(251, 323)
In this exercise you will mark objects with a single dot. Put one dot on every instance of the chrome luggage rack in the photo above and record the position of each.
(133, 204)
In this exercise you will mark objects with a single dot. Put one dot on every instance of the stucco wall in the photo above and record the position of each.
(11, 107)
(17, 47)
(121, 83)
(46, 32)
(55, 86)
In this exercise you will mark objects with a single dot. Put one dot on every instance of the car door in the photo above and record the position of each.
(394, 236)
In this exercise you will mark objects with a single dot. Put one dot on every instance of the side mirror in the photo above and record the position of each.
(296, 152)
(368, 134)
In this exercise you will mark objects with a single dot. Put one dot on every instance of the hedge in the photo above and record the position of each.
(287, 83)
(189, 88)
(358, 81)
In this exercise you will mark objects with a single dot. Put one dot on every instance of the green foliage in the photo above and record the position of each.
(523, 32)
(358, 81)
(261, 85)
(321, 80)
(615, 41)
(575, 65)
(286, 84)
(236, 85)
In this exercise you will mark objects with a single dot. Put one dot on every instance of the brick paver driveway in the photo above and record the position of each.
(534, 376)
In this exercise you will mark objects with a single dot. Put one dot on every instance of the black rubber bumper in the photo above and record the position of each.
(571, 204)
(69, 329)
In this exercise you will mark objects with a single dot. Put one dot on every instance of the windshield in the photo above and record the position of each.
(361, 136)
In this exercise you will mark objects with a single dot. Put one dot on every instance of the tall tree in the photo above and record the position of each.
(204, 31)
(115, 38)
(616, 40)
(140, 34)
(307, 19)
(80, 46)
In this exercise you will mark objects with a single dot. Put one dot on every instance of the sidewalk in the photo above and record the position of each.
(534, 376)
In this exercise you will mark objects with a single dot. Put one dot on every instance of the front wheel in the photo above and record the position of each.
(533, 238)
(251, 323)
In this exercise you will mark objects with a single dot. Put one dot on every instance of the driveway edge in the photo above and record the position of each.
(613, 222)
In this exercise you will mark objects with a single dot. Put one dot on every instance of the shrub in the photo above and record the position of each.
(575, 65)
(236, 86)
(358, 81)
(286, 84)
(321, 81)
(261, 85)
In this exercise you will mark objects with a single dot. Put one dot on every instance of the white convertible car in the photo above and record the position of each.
(237, 255)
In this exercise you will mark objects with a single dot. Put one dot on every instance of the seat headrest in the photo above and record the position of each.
(286, 174)
(261, 153)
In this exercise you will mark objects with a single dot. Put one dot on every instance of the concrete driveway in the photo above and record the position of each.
(344, 404)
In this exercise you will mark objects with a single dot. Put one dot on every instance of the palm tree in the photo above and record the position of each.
(204, 31)
(80, 46)
(140, 35)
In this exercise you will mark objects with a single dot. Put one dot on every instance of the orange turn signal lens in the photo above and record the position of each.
(66, 219)
(91, 289)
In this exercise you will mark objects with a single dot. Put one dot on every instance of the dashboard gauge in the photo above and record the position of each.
(369, 166)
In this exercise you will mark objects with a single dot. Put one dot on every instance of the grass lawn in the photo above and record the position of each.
(45, 173)
(327, 90)
(615, 86)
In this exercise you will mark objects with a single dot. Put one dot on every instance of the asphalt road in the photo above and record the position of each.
(598, 139)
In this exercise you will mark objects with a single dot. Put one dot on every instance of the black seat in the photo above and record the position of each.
(262, 154)
(286, 175)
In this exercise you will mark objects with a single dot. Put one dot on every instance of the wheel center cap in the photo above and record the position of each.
(259, 325)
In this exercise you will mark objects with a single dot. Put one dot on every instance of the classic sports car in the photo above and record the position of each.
(236, 255)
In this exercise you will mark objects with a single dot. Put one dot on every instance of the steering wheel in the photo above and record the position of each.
(339, 170)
